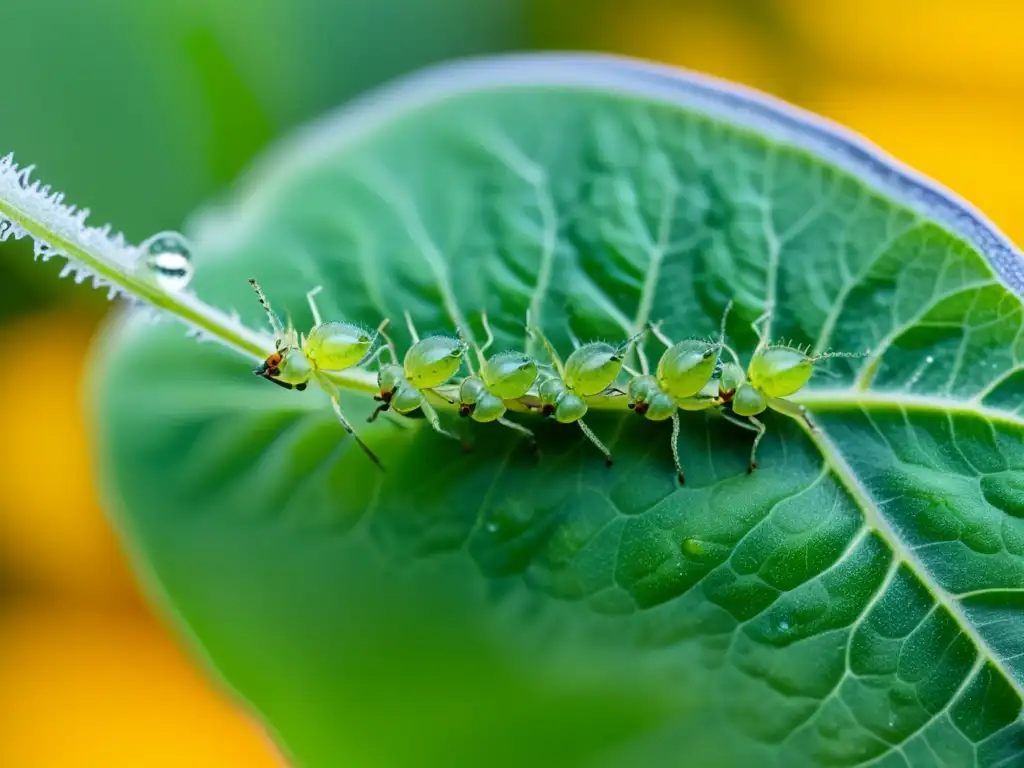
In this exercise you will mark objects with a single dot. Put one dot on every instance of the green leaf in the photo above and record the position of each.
(855, 600)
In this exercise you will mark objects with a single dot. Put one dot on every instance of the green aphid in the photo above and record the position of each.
(428, 363)
(502, 377)
(329, 348)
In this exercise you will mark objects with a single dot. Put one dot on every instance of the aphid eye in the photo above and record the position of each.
(300, 387)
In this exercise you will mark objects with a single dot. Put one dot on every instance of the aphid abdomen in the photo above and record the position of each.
(488, 408)
(406, 399)
(570, 408)
(660, 407)
(509, 375)
(687, 367)
(748, 401)
(780, 371)
(336, 346)
(430, 362)
(551, 391)
(592, 368)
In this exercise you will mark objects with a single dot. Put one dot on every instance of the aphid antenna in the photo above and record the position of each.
(535, 332)
(374, 354)
(573, 338)
(389, 343)
(725, 319)
(762, 338)
(488, 342)
(624, 347)
(656, 332)
(412, 328)
(311, 299)
(275, 321)
(732, 353)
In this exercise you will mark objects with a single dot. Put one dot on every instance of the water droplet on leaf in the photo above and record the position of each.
(492, 527)
(693, 548)
(168, 257)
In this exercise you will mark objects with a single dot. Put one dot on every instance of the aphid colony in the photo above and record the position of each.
(690, 376)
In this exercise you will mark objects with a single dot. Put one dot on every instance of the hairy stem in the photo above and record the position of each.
(28, 209)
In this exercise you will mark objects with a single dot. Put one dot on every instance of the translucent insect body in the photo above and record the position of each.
(590, 370)
(690, 376)
(429, 363)
(503, 377)
(776, 371)
(684, 381)
(329, 347)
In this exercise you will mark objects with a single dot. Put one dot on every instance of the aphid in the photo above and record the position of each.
(684, 381)
(776, 371)
(590, 370)
(504, 376)
(428, 364)
(329, 347)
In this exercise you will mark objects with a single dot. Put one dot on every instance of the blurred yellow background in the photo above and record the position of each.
(89, 676)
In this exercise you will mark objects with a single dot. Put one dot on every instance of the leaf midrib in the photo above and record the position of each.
(821, 400)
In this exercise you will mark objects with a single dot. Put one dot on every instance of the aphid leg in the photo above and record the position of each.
(311, 298)
(675, 448)
(275, 321)
(573, 338)
(348, 428)
(597, 442)
(412, 329)
(441, 395)
(389, 342)
(793, 410)
(655, 329)
(378, 411)
(555, 359)
(754, 425)
(527, 433)
(490, 337)
(435, 422)
(758, 325)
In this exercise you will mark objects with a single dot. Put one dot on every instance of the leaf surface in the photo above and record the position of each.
(855, 601)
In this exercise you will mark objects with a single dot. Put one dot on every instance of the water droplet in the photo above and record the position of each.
(693, 548)
(783, 624)
(492, 527)
(168, 256)
(929, 359)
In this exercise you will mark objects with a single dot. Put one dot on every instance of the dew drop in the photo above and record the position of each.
(168, 257)
(693, 548)
(492, 527)
(929, 359)
(783, 624)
